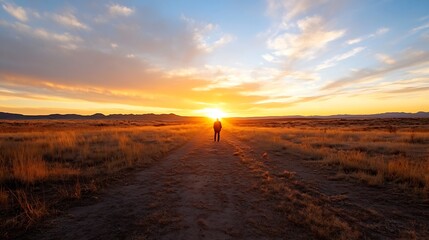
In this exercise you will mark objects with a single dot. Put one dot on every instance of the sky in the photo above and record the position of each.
(244, 57)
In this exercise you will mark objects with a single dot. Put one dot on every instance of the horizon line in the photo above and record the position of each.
(255, 116)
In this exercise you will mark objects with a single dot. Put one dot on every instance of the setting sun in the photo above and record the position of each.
(214, 113)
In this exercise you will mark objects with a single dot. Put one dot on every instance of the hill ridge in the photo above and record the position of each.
(175, 117)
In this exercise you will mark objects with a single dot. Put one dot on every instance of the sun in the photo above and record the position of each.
(214, 113)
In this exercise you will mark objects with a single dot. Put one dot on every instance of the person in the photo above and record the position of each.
(217, 126)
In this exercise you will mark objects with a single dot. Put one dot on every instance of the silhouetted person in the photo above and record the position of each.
(217, 126)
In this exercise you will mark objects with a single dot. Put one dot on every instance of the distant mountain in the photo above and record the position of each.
(385, 115)
(97, 116)
(349, 116)
(174, 117)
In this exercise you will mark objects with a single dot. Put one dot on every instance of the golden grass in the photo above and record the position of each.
(32, 157)
(373, 156)
(68, 161)
(297, 205)
(33, 208)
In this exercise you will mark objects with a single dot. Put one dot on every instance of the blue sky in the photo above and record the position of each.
(249, 58)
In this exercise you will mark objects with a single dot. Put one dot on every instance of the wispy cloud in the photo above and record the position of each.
(410, 90)
(65, 40)
(69, 20)
(419, 28)
(424, 70)
(268, 57)
(288, 101)
(153, 37)
(286, 11)
(16, 11)
(204, 33)
(334, 60)
(381, 31)
(120, 10)
(354, 41)
(423, 18)
(410, 59)
(313, 37)
(385, 58)
(378, 32)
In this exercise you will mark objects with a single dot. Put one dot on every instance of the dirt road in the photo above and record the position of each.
(228, 190)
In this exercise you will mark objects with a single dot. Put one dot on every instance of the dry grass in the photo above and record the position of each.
(32, 157)
(363, 151)
(373, 155)
(293, 200)
(45, 162)
(32, 208)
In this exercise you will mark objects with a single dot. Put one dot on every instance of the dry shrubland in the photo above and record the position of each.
(373, 151)
(44, 163)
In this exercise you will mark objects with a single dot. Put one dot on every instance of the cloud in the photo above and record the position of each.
(160, 93)
(65, 40)
(153, 37)
(377, 33)
(334, 60)
(382, 31)
(288, 101)
(423, 18)
(286, 11)
(268, 57)
(354, 41)
(109, 76)
(223, 40)
(419, 28)
(409, 59)
(223, 77)
(69, 20)
(119, 10)
(424, 35)
(219, 76)
(410, 89)
(203, 33)
(385, 58)
(424, 70)
(404, 84)
(312, 38)
(16, 11)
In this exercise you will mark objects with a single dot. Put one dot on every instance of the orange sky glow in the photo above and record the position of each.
(295, 58)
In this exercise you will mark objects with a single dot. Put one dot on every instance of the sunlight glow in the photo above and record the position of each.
(214, 113)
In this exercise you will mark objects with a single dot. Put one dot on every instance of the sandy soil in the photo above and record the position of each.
(210, 190)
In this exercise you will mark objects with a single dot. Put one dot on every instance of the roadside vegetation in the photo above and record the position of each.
(372, 151)
(44, 165)
(294, 201)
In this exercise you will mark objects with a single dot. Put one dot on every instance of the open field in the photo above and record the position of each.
(375, 151)
(45, 163)
(266, 179)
